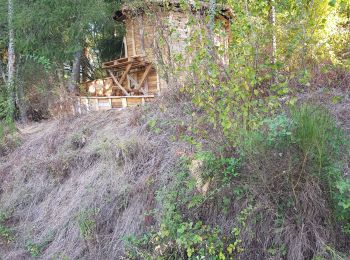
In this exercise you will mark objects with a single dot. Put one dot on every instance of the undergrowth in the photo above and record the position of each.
(6, 234)
(285, 196)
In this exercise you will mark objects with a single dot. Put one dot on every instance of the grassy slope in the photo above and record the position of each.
(75, 188)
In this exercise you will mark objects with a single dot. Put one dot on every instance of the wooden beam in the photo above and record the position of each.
(125, 74)
(146, 89)
(117, 83)
(144, 76)
(134, 81)
(124, 102)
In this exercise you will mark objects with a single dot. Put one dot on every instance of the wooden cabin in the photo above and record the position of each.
(137, 78)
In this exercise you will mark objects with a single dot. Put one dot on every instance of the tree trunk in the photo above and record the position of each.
(75, 76)
(11, 60)
(211, 25)
(274, 40)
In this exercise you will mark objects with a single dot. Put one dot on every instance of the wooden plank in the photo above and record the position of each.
(124, 102)
(123, 65)
(133, 102)
(117, 97)
(144, 76)
(134, 99)
(106, 103)
(117, 83)
(117, 103)
(146, 88)
(125, 74)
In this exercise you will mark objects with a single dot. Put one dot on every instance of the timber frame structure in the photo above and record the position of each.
(134, 79)
(126, 86)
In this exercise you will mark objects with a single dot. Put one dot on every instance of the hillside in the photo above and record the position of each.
(76, 188)
(147, 129)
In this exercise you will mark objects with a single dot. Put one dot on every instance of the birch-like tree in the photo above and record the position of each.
(11, 59)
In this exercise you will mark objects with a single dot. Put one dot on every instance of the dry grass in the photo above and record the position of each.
(77, 186)
(103, 166)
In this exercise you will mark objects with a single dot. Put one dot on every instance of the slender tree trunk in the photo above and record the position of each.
(211, 25)
(274, 40)
(75, 76)
(11, 60)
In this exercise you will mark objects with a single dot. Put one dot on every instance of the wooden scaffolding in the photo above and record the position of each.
(128, 85)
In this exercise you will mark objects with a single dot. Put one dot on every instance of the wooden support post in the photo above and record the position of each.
(133, 81)
(146, 89)
(144, 76)
(125, 74)
(124, 102)
(117, 83)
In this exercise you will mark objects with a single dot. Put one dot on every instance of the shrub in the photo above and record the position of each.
(287, 187)
(323, 143)
(182, 234)
(296, 167)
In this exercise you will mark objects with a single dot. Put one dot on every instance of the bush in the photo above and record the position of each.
(181, 234)
(297, 166)
(287, 187)
(324, 145)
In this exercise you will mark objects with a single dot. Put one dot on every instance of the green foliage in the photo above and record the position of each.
(316, 133)
(47, 36)
(188, 237)
(35, 249)
(341, 199)
(278, 130)
(154, 126)
(239, 93)
(6, 234)
(231, 92)
(319, 138)
(313, 131)
(7, 109)
(87, 224)
(222, 168)
(67, 23)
